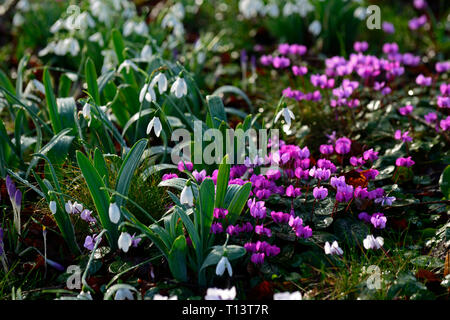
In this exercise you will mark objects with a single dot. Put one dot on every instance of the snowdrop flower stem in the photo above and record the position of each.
(91, 258)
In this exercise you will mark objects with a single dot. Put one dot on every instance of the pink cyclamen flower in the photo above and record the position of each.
(442, 66)
(419, 4)
(216, 227)
(423, 81)
(404, 111)
(320, 193)
(220, 213)
(280, 217)
(281, 62)
(445, 124)
(90, 241)
(199, 176)
(299, 70)
(370, 155)
(261, 230)
(293, 192)
(257, 258)
(364, 216)
(418, 22)
(169, 176)
(404, 162)
(257, 209)
(360, 46)
(430, 117)
(187, 165)
(402, 136)
(388, 27)
(343, 145)
(326, 149)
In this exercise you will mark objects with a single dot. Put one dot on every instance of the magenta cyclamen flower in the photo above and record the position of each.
(281, 62)
(356, 162)
(442, 66)
(299, 70)
(404, 162)
(233, 230)
(402, 136)
(266, 60)
(280, 217)
(187, 165)
(445, 124)
(257, 209)
(297, 49)
(388, 27)
(320, 193)
(404, 111)
(283, 48)
(418, 22)
(364, 216)
(378, 220)
(220, 213)
(199, 176)
(343, 145)
(419, 4)
(293, 192)
(169, 176)
(338, 182)
(360, 46)
(90, 241)
(257, 258)
(344, 193)
(430, 117)
(216, 227)
(423, 81)
(370, 155)
(261, 230)
(326, 149)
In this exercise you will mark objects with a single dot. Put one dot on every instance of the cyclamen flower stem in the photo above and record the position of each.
(312, 211)
(334, 209)
(348, 206)
(389, 257)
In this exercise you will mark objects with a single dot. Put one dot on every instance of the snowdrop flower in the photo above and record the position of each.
(370, 242)
(187, 197)
(315, 28)
(127, 65)
(250, 8)
(52, 207)
(87, 111)
(179, 88)
(97, 38)
(272, 10)
(114, 213)
(148, 93)
(160, 297)
(333, 249)
(287, 114)
(287, 296)
(155, 124)
(224, 263)
(161, 80)
(146, 53)
(123, 294)
(84, 295)
(220, 294)
(73, 208)
(124, 241)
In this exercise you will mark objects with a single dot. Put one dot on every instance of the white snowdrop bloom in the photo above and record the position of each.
(128, 28)
(127, 65)
(287, 114)
(97, 38)
(220, 294)
(272, 10)
(58, 25)
(72, 76)
(23, 5)
(304, 7)
(125, 241)
(147, 93)
(146, 53)
(161, 80)
(141, 28)
(84, 295)
(187, 197)
(179, 88)
(201, 57)
(109, 60)
(50, 47)
(370, 242)
(333, 248)
(287, 296)
(39, 86)
(161, 297)
(114, 213)
(82, 21)
(87, 111)
(221, 265)
(123, 294)
(52, 207)
(251, 8)
(155, 124)
(315, 28)
(18, 20)
(360, 13)
(101, 10)
(178, 10)
(289, 9)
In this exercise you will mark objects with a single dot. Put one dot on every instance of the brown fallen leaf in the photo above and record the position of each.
(447, 264)
(427, 275)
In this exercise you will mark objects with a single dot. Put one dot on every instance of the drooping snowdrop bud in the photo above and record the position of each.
(187, 197)
(124, 241)
(179, 88)
(288, 115)
(224, 263)
(123, 294)
(114, 213)
(87, 111)
(52, 207)
(161, 80)
(155, 124)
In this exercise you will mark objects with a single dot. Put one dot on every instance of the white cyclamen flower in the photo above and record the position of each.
(224, 263)
(114, 212)
(148, 93)
(123, 294)
(187, 197)
(160, 297)
(315, 27)
(370, 242)
(220, 294)
(73, 208)
(333, 248)
(124, 241)
(287, 296)
(155, 124)
(179, 88)
(288, 115)
(161, 80)
(52, 207)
